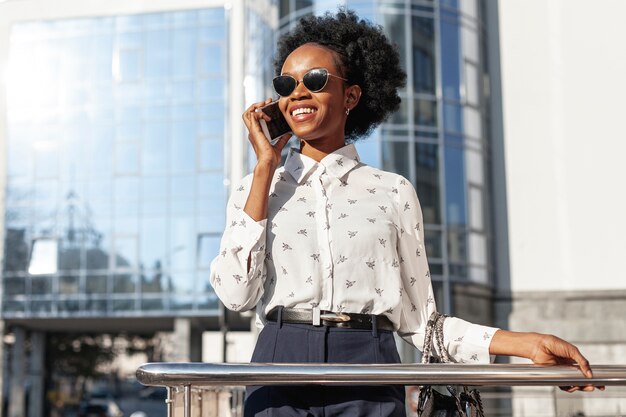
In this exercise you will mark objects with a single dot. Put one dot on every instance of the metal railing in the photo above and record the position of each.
(182, 378)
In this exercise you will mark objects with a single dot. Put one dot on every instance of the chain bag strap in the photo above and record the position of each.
(432, 403)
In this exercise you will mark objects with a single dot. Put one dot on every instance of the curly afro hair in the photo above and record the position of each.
(366, 58)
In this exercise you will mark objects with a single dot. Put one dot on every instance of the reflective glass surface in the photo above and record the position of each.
(116, 150)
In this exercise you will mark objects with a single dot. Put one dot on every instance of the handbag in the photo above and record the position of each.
(433, 403)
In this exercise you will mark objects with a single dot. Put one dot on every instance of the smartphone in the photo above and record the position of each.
(276, 127)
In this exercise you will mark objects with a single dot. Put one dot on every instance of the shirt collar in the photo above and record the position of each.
(336, 164)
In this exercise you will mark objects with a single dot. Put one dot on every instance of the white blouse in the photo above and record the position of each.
(341, 236)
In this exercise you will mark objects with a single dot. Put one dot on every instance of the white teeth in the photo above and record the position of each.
(302, 110)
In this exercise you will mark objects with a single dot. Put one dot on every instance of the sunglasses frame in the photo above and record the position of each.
(328, 74)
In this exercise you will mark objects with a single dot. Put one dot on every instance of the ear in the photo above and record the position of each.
(353, 94)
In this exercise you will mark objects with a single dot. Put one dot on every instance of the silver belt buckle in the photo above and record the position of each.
(335, 317)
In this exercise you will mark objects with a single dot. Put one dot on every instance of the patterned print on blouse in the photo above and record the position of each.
(343, 236)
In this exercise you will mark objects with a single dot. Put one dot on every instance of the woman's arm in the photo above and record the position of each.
(542, 349)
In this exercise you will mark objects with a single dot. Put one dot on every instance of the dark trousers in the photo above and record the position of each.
(301, 343)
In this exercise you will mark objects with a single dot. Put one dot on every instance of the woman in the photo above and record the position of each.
(329, 250)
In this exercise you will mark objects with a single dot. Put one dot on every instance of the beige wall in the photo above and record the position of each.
(563, 91)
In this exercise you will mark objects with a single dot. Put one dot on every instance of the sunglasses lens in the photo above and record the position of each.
(316, 79)
(284, 85)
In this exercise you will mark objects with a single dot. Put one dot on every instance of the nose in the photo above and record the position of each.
(300, 90)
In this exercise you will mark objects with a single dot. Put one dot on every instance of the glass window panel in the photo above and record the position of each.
(102, 150)
(19, 159)
(212, 127)
(96, 284)
(69, 284)
(96, 306)
(426, 112)
(41, 285)
(127, 158)
(182, 206)
(473, 123)
(185, 17)
(156, 91)
(40, 307)
(455, 185)
(211, 59)
(183, 91)
(423, 55)
(457, 245)
(182, 148)
(469, 41)
(479, 275)
(183, 243)
(154, 188)
(46, 159)
(210, 185)
(208, 248)
(213, 223)
(475, 168)
(211, 154)
(427, 181)
(477, 249)
(152, 304)
(154, 253)
(16, 250)
(284, 7)
(129, 63)
(184, 51)
(182, 186)
(123, 305)
(154, 282)
(453, 118)
(476, 208)
(68, 305)
(207, 301)
(433, 243)
(182, 302)
(396, 157)
(129, 130)
(126, 225)
(124, 283)
(213, 16)
(126, 189)
(472, 84)
(13, 306)
(125, 252)
(183, 283)
(211, 89)
(153, 208)
(155, 149)
(14, 286)
(450, 65)
(156, 113)
(395, 28)
(69, 258)
(158, 54)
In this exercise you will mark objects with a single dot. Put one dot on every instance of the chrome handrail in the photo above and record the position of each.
(229, 374)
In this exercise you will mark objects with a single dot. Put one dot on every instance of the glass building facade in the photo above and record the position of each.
(438, 137)
(115, 198)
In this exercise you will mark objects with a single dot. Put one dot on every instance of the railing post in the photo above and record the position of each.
(170, 401)
(187, 401)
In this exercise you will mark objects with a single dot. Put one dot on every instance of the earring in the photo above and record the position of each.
(347, 111)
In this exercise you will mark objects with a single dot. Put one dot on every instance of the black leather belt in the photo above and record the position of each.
(331, 319)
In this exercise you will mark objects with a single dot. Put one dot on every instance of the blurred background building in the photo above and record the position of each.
(121, 135)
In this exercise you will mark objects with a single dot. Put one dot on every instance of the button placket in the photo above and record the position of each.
(324, 239)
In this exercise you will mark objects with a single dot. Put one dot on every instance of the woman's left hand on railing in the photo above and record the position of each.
(542, 349)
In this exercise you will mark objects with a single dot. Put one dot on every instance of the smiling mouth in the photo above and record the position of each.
(303, 110)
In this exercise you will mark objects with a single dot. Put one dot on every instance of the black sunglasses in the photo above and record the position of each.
(314, 80)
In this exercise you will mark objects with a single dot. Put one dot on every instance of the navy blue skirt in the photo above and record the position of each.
(302, 343)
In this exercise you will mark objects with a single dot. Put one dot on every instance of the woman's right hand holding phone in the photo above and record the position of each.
(267, 155)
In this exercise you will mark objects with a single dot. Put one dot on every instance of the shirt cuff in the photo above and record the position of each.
(468, 342)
